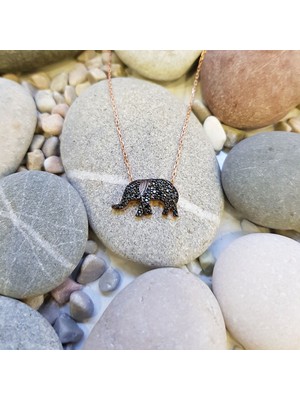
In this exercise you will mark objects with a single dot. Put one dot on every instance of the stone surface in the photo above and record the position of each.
(22, 328)
(151, 120)
(40, 80)
(161, 65)
(251, 89)
(91, 247)
(96, 75)
(44, 101)
(43, 233)
(81, 87)
(60, 109)
(62, 293)
(91, 269)
(70, 94)
(59, 82)
(26, 60)
(35, 302)
(207, 262)
(81, 306)
(67, 329)
(78, 74)
(54, 165)
(256, 281)
(37, 142)
(17, 125)
(261, 178)
(110, 280)
(215, 132)
(166, 308)
(52, 125)
(295, 124)
(50, 310)
(35, 160)
(51, 147)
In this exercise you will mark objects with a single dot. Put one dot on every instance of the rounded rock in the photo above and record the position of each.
(215, 132)
(78, 74)
(161, 65)
(54, 165)
(250, 89)
(44, 101)
(43, 233)
(152, 119)
(110, 280)
(81, 306)
(67, 329)
(70, 94)
(256, 281)
(52, 125)
(37, 142)
(35, 160)
(166, 308)
(40, 80)
(22, 328)
(18, 120)
(51, 147)
(60, 109)
(91, 247)
(59, 82)
(91, 269)
(261, 178)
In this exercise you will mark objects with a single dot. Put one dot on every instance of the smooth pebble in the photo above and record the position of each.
(81, 306)
(61, 109)
(62, 293)
(35, 160)
(50, 310)
(81, 87)
(67, 330)
(91, 247)
(37, 142)
(54, 165)
(51, 147)
(207, 262)
(96, 75)
(70, 94)
(52, 125)
(215, 132)
(34, 302)
(295, 124)
(40, 80)
(110, 280)
(59, 82)
(91, 269)
(44, 101)
(78, 74)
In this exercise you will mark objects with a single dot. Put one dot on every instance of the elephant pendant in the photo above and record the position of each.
(145, 190)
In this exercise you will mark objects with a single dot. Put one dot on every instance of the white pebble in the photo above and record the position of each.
(35, 160)
(44, 101)
(52, 125)
(95, 62)
(96, 75)
(51, 147)
(194, 267)
(86, 55)
(116, 70)
(81, 87)
(215, 132)
(59, 98)
(22, 169)
(59, 82)
(207, 262)
(61, 109)
(37, 142)
(54, 165)
(40, 80)
(70, 94)
(78, 74)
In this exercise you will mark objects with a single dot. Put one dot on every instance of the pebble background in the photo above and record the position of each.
(74, 307)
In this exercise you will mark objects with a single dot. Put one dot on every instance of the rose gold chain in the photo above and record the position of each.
(185, 124)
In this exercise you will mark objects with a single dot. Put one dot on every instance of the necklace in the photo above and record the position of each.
(145, 190)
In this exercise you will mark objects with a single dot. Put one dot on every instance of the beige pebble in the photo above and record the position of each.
(44, 101)
(82, 87)
(11, 77)
(40, 117)
(86, 55)
(200, 110)
(283, 126)
(52, 125)
(295, 124)
(95, 62)
(61, 109)
(35, 160)
(249, 227)
(59, 98)
(117, 70)
(114, 58)
(37, 142)
(34, 302)
(63, 292)
(70, 94)
(59, 82)
(96, 75)
(215, 132)
(40, 80)
(233, 136)
(22, 169)
(54, 165)
(78, 74)
(51, 147)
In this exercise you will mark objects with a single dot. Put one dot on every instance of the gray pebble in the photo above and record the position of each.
(37, 142)
(35, 160)
(70, 94)
(51, 147)
(81, 306)
(91, 269)
(50, 310)
(54, 165)
(67, 329)
(91, 247)
(110, 280)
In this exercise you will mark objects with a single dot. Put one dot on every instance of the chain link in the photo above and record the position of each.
(184, 128)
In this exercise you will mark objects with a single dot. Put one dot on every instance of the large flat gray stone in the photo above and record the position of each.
(151, 119)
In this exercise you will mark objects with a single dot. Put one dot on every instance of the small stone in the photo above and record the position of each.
(35, 160)
(96, 75)
(78, 74)
(249, 227)
(295, 124)
(59, 82)
(11, 77)
(81, 306)
(233, 136)
(34, 302)
(207, 262)
(61, 109)
(59, 98)
(81, 87)
(44, 101)
(40, 80)
(37, 142)
(86, 55)
(117, 70)
(40, 117)
(114, 57)
(67, 329)
(215, 132)
(110, 280)
(51, 146)
(22, 169)
(70, 94)
(63, 292)
(50, 310)
(54, 165)
(194, 267)
(52, 125)
(200, 110)
(95, 62)
(91, 247)
(283, 126)
(91, 269)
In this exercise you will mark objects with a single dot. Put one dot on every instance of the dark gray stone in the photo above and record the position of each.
(67, 329)
(261, 178)
(26, 60)
(43, 233)
(110, 280)
(50, 310)
(22, 328)
(151, 119)
(81, 306)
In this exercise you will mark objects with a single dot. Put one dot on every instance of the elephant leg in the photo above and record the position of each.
(170, 206)
(140, 211)
(144, 209)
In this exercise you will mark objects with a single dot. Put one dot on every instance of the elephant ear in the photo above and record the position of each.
(143, 186)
